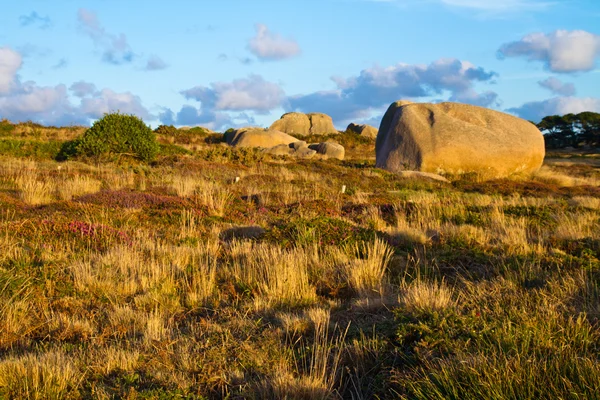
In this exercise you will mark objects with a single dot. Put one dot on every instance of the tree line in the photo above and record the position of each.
(571, 130)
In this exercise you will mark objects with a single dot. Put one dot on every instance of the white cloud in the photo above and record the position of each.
(536, 110)
(82, 88)
(107, 101)
(22, 101)
(220, 99)
(10, 63)
(269, 46)
(249, 94)
(560, 51)
(558, 87)
(374, 88)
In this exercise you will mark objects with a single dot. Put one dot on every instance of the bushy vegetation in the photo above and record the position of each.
(117, 135)
(122, 279)
(571, 130)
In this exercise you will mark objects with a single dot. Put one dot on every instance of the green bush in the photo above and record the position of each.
(166, 130)
(118, 134)
(6, 127)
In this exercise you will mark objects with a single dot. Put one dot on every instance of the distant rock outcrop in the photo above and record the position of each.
(257, 137)
(364, 130)
(299, 124)
(455, 138)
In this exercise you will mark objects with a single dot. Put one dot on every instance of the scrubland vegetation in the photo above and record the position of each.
(175, 280)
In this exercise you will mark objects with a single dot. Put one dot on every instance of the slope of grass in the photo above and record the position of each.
(117, 280)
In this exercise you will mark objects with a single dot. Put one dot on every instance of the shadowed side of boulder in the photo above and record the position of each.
(364, 130)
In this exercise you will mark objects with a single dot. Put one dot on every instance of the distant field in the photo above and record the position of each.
(171, 280)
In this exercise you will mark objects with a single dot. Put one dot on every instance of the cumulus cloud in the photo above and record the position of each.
(192, 116)
(558, 87)
(35, 19)
(106, 101)
(249, 94)
(21, 101)
(377, 87)
(226, 104)
(115, 48)
(536, 110)
(155, 63)
(10, 63)
(270, 46)
(560, 51)
(82, 89)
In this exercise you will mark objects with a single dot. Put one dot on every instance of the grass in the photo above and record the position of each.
(117, 280)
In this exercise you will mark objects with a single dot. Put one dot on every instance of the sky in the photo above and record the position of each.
(231, 63)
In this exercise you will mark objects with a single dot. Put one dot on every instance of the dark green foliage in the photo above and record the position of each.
(68, 150)
(116, 135)
(571, 130)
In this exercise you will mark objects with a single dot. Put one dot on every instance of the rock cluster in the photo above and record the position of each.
(280, 144)
(299, 124)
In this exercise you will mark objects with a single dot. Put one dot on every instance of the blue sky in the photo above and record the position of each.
(233, 62)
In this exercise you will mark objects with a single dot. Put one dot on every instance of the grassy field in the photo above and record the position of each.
(175, 280)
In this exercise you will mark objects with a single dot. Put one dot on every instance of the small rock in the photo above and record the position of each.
(241, 233)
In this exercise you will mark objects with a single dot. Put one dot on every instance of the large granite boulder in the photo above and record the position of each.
(257, 137)
(364, 130)
(299, 124)
(453, 138)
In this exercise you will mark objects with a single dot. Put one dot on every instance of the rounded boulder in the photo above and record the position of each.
(300, 124)
(258, 137)
(454, 138)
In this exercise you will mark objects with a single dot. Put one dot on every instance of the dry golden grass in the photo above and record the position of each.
(33, 188)
(577, 226)
(366, 275)
(40, 376)
(176, 308)
(278, 276)
(548, 174)
(423, 296)
(212, 195)
(77, 185)
(184, 186)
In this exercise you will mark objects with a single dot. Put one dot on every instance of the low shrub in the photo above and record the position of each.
(116, 135)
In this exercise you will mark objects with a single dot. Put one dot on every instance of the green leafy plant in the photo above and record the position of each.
(118, 134)
(166, 130)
